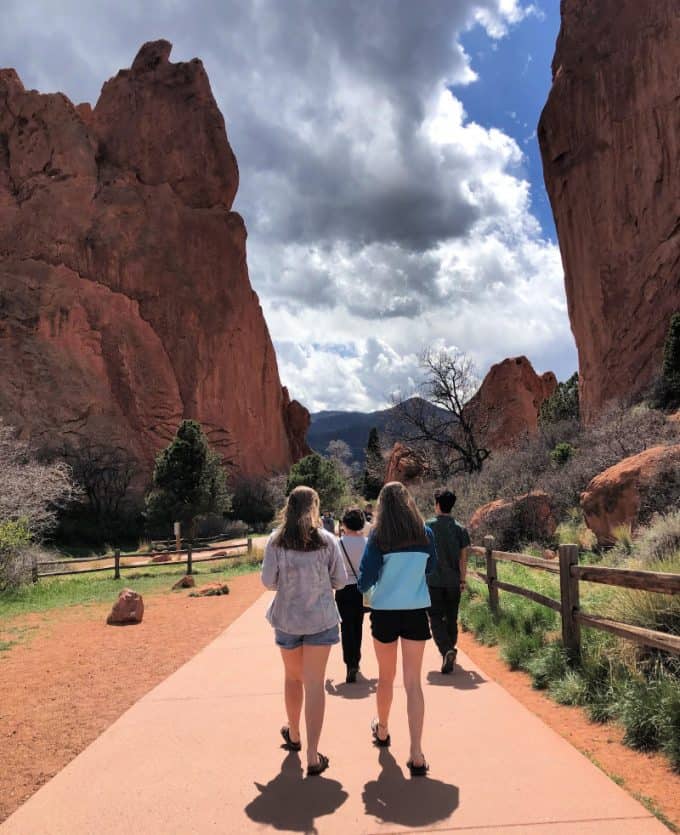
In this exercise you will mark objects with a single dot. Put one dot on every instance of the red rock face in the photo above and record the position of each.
(125, 301)
(615, 497)
(610, 142)
(404, 465)
(509, 400)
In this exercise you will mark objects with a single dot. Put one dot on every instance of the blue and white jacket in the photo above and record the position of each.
(397, 579)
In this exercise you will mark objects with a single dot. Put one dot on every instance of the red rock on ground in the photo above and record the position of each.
(610, 142)
(124, 289)
(509, 400)
(210, 590)
(509, 520)
(129, 608)
(186, 582)
(404, 465)
(617, 495)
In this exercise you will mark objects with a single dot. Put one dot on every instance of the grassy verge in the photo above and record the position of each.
(56, 592)
(614, 681)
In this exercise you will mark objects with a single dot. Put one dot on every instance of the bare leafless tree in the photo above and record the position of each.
(104, 473)
(438, 420)
(31, 489)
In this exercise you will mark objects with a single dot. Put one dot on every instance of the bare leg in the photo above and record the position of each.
(387, 669)
(412, 659)
(314, 660)
(292, 662)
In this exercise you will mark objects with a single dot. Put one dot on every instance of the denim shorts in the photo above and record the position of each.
(317, 639)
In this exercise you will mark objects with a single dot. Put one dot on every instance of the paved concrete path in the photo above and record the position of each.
(200, 754)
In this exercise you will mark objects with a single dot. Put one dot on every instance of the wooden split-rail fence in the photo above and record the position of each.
(571, 574)
(116, 562)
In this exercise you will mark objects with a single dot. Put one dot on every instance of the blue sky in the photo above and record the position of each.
(513, 84)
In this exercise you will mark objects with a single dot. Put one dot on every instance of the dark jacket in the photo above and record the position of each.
(450, 539)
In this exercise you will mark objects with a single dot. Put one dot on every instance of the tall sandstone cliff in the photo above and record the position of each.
(125, 302)
(610, 141)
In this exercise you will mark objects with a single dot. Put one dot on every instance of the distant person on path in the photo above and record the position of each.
(447, 581)
(304, 563)
(350, 600)
(399, 553)
(368, 513)
(328, 521)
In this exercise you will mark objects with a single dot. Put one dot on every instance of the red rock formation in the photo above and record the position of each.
(509, 399)
(404, 465)
(610, 142)
(129, 608)
(615, 497)
(511, 521)
(125, 302)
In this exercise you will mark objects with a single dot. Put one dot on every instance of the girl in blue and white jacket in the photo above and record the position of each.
(399, 555)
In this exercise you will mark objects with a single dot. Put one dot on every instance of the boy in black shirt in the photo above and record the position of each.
(448, 579)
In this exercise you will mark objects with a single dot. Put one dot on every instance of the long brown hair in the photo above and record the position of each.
(299, 522)
(398, 523)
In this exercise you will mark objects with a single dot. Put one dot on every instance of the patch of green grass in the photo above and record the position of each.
(57, 592)
(651, 806)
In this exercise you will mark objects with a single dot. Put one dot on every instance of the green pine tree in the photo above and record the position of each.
(189, 480)
(323, 475)
(374, 472)
(562, 404)
(670, 371)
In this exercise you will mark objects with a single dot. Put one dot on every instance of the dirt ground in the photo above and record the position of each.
(70, 676)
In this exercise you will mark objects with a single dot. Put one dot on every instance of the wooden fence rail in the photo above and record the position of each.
(571, 574)
(118, 566)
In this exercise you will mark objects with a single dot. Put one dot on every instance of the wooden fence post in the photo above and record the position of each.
(190, 566)
(116, 564)
(250, 545)
(569, 597)
(34, 568)
(489, 542)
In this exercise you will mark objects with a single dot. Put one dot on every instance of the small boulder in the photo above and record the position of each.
(631, 491)
(210, 590)
(187, 582)
(129, 608)
(512, 521)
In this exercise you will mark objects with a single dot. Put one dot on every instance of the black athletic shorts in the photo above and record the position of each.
(389, 624)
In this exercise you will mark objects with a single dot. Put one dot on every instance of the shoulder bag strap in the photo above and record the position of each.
(349, 561)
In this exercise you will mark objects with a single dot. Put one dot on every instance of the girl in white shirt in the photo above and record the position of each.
(304, 564)
(350, 600)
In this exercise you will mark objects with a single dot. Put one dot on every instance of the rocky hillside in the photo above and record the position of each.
(610, 142)
(125, 301)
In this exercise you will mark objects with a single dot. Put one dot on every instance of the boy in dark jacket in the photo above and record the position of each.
(448, 578)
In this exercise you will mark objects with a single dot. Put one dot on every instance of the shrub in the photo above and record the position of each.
(574, 531)
(571, 689)
(517, 649)
(547, 665)
(640, 713)
(670, 711)
(660, 541)
(15, 538)
(258, 500)
(561, 453)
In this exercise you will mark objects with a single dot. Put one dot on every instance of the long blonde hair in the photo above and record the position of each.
(300, 522)
(398, 523)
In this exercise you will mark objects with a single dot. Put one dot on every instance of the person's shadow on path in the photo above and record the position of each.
(459, 679)
(417, 801)
(290, 803)
(360, 689)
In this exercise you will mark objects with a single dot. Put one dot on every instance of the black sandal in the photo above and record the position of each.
(381, 743)
(417, 770)
(289, 744)
(320, 767)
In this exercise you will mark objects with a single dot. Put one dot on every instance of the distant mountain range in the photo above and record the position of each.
(350, 427)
